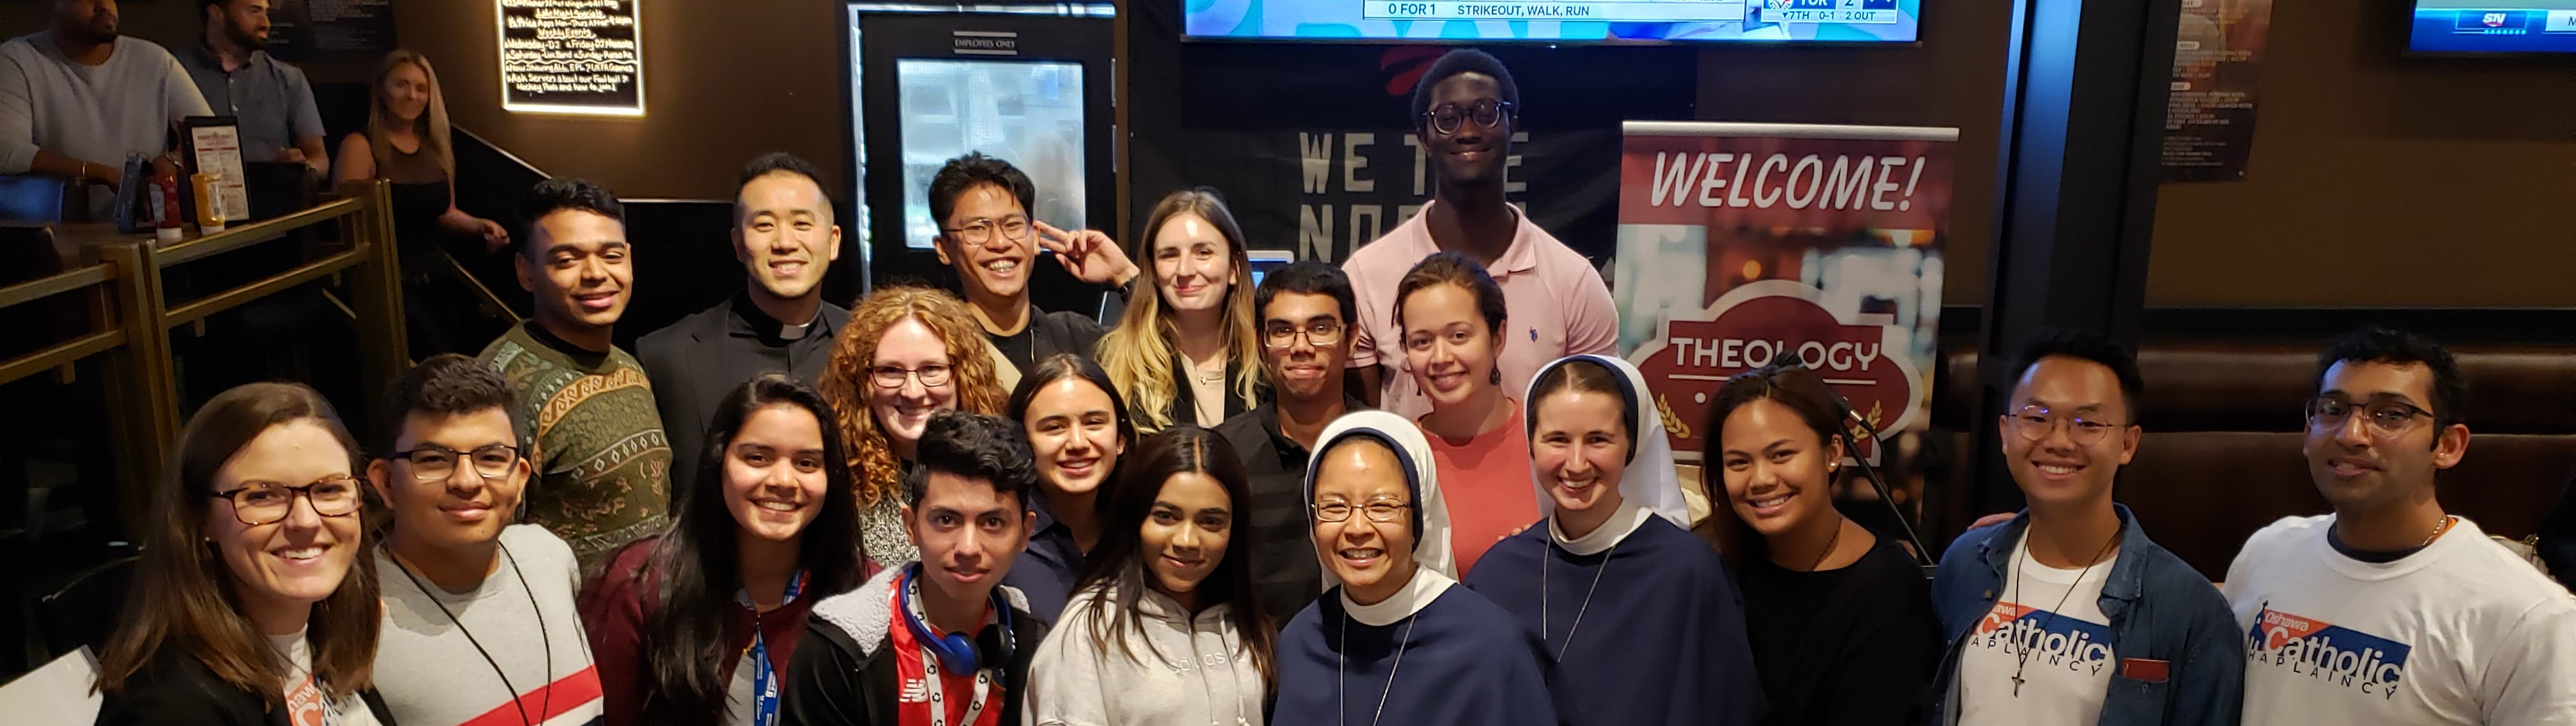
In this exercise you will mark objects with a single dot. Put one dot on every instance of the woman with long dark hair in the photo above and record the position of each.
(695, 626)
(1165, 628)
(1841, 620)
(1662, 643)
(1077, 427)
(1184, 350)
(250, 602)
(1451, 313)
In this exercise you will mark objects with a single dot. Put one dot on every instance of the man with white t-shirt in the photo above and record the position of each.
(2068, 615)
(2389, 610)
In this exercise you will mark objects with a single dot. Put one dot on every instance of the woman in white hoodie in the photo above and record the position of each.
(1163, 627)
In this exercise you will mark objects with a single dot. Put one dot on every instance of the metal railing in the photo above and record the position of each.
(134, 336)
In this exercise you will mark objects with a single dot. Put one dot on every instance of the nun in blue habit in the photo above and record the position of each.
(1394, 639)
(1638, 613)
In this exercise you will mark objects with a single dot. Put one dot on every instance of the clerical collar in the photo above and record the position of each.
(1426, 586)
(1621, 523)
(759, 323)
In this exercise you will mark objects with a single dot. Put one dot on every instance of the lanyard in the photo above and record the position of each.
(764, 693)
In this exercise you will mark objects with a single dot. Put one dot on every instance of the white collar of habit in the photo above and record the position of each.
(1426, 586)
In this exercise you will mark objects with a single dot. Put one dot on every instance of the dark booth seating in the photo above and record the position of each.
(2220, 458)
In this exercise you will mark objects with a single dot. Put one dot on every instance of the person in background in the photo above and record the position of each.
(2390, 610)
(479, 617)
(1452, 316)
(2558, 535)
(1826, 603)
(785, 238)
(77, 97)
(907, 353)
(982, 206)
(1185, 354)
(1669, 644)
(1381, 530)
(1465, 110)
(407, 144)
(272, 101)
(1076, 425)
(1306, 312)
(250, 601)
(603, 465)
(941, 640)
(1166, 629)
(2068, 613)
(697, 626)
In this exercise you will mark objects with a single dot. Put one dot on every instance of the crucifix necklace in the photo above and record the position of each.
(2024, 648)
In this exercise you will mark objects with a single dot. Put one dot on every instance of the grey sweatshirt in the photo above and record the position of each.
(1194, 670)
(97, 114)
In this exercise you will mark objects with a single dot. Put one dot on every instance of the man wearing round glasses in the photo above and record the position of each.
(1304, 311)
(2390, 610)
(1465, 112)
(987, 236)
(2068, 613)
(479, 624)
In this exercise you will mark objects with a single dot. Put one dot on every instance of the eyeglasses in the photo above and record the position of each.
(1318, 333)
(2035, 423)
(1377, 511)
(438, 463)
(2387, 418)
(269, 503)
(932, 376)
(1486, 114)
(980, 231)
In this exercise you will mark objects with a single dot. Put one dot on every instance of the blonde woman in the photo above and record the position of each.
(1187, 353)
(908, 352)
(407, 144)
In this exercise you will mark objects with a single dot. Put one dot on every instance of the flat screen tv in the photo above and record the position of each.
(1555, 21)
(2493, 27)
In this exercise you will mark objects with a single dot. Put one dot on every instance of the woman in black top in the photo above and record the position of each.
(1840, 620)
(407, 145)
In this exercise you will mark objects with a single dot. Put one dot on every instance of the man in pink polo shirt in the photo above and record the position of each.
(1464, 111)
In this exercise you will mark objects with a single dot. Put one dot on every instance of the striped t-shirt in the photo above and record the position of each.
(430, 670)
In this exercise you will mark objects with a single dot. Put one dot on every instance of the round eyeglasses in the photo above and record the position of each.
(269, 502)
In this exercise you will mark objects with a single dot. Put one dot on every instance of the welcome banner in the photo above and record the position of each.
(1744, 244)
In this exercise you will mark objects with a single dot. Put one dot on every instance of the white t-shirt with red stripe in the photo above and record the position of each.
(431, 674)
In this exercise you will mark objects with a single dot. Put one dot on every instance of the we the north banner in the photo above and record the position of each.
(1744, 244)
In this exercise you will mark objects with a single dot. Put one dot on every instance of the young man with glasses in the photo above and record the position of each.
(1304, 311)
(2389, 610)
(2068, 614)
(479, 623)
(986, 235)
(1465, 111)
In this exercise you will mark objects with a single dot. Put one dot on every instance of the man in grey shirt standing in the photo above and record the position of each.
(76, 98)
(272, 100)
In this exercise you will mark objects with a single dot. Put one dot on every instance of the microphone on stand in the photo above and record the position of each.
(1922, 554)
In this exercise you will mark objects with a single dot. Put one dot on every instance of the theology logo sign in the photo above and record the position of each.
(2337, 655)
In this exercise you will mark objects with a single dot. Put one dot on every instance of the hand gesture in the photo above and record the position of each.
(494, 237)
(1089, 255)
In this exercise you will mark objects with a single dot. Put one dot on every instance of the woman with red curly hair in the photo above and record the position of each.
(908, 351)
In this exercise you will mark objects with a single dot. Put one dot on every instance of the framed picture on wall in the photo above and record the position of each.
(212, 145)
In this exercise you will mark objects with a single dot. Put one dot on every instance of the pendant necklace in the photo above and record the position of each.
(2024, 648)
(1342, 674)
(1587, 597)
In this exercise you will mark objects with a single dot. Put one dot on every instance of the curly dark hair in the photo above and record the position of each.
(2381, 344)
(1463, 60)
(974, 446)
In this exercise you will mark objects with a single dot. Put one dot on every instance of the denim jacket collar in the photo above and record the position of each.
(2124, 585)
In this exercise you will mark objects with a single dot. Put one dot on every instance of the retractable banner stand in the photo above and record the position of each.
(1744, 244)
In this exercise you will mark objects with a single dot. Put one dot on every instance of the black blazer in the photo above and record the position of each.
(177, 690)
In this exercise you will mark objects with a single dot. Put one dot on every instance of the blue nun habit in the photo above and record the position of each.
(1432, 654)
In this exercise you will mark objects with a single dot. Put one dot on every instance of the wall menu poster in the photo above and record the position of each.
(571, 56)
(1743, 244)
(2218, 62)
(356, 31)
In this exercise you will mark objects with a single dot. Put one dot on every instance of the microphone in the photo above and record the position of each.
(1922, 554)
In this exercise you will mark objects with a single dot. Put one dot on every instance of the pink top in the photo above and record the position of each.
(1555, 303)
(1486, 482)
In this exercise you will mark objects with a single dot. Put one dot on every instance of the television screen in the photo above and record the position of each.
(2493, 26)
(1557, 21)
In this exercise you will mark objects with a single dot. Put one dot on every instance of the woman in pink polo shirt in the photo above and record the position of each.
(1451, 314)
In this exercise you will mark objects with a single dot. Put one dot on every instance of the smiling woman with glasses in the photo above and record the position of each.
(249, 598)
(907, 352)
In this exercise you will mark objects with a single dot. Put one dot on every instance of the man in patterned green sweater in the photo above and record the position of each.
(603, 465)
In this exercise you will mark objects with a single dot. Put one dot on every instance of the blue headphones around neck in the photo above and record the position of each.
(957, 652)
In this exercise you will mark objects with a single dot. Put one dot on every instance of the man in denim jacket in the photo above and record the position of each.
(2068, 614)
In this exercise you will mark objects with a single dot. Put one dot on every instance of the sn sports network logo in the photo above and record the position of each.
(2327, 652)
(2054, 640)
